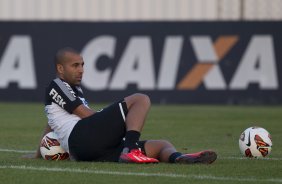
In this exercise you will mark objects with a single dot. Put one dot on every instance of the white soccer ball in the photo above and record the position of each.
(255, 142)
(50, 148)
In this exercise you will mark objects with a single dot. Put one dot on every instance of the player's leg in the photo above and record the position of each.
(160, 149)
(96, 137)
(100, 137)
(166, 152)
(138, 106)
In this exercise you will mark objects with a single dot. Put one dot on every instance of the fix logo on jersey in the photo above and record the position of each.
(57, 98)
(209, 56)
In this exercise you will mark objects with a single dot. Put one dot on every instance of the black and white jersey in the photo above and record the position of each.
(60, 101)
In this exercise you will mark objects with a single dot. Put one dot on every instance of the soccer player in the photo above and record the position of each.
(111, 134)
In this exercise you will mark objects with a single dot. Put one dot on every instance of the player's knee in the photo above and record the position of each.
(138, 98)
(165, 143)
(145, 99)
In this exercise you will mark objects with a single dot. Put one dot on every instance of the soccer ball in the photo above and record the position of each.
(255, 142)
(50, 148)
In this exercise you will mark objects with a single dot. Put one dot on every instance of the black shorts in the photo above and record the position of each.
(100, 137)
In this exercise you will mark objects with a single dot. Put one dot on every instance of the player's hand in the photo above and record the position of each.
(31, 156)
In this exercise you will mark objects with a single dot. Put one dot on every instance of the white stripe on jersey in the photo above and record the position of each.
(66, 89)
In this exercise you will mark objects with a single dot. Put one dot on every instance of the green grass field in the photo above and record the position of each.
(190, 128)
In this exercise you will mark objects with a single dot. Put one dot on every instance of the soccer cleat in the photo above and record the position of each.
(203, 157)
(135, 156)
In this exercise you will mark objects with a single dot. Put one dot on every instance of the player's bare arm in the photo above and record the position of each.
(46, 130)
(37, 154)
(82, 111)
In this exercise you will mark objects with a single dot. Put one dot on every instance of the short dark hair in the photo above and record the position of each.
(60, 56)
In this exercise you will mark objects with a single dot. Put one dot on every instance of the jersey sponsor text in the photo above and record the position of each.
(57, 98)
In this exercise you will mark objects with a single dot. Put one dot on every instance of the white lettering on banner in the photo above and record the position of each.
(169, 62)
(93, 78)
(257, 66)
(203, 48)
(205, 53)
(17, 63)
(136, 66)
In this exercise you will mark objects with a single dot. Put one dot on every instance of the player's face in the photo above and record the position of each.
(72, 69)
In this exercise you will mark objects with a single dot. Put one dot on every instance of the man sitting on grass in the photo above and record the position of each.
(111, 134)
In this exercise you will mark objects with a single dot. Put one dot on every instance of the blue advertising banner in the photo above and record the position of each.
(172, 62)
